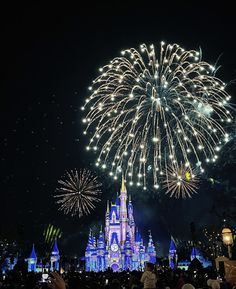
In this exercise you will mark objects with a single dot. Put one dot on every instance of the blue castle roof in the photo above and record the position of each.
(195, 252)
(117, 200)
(55, 248)
(101, 237)
(172, 245)
(137, 236)
(33, 254)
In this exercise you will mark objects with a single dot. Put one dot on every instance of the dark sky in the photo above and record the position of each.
(51, 55)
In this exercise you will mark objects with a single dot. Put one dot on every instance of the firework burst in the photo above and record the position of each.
(151, 109)
(77, 192)
(180, 181)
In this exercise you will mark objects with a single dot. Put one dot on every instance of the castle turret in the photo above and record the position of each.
(88, 252)
(135, 249)
(151, 251)
(32, 261)
(137, 236)
(131, 221)
(107, 222)
(128, 252)
(172, 254)
(101, 252)
(94, 255)
(142, 255)
(55, 257)
(118, 204)
(195, 253)
(123, 212)
(137, 239)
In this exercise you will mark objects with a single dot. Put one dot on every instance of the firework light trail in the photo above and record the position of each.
(152, 110)
(51, 233)
(181, 182)
(77, 192)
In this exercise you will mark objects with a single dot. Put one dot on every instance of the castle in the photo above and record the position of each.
(34, 266)
(120, 246)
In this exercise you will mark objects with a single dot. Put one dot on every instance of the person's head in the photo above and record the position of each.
(149, 266)
(215, 284)
(115, 284)
(188, 286)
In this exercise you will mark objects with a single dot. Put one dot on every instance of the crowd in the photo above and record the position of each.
(161, 278)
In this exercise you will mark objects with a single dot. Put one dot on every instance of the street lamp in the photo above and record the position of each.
(227, 238)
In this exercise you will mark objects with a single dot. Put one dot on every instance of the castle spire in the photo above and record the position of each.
(117, 199)
(33, 254)
(32, 261)
(55, 250)
(172, 245)
(123, 188)
(150, 243)
(172, 254)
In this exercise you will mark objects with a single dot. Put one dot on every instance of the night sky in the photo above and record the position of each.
(52, 54)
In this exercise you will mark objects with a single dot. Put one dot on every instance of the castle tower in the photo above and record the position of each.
(32, 261)
(172, 254)
(88, 252)
(128, 252)
(118, 204)
(122, 247)
(142, 255)
(136, 250)
(137, 238)
(101, 252)
(94, 255)
(55, 257)
(195, 254)
(123, 212)
(151, 251)
(131, 222)
(114, 239)
(107, 222)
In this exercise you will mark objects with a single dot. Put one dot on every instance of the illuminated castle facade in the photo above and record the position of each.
(120, 246)
(173, 257)
(34, 266)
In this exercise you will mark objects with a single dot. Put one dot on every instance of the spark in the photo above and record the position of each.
(158, 108)
(77, 192)
(181, 182)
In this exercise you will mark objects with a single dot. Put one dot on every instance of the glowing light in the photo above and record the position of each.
(164, 107)
(77, 192)
(181, 181)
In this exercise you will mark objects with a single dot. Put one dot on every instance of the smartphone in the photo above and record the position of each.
(106, 281)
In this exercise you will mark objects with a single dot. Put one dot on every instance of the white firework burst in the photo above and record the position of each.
(181, 182)
(77, 192)
(156, 108)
